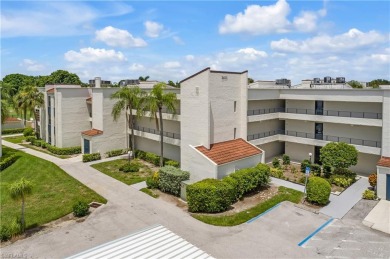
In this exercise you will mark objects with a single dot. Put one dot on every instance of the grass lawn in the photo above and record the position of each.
(15, 140)
(284, 194)
(149, 192)
(111, 168)
(54, 191)
(46, 151)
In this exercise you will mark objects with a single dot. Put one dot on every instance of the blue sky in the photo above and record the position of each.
(170, 40)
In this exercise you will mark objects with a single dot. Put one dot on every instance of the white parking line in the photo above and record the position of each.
(341, 248)
(350, 241)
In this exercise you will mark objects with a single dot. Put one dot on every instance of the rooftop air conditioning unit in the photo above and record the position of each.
(327, 80)
(283, 81)
(316, 80)
(340, 80)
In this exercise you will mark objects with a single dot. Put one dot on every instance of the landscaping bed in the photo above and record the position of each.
(15, 139)
(53, 195)
(44, 150)
(112, 169)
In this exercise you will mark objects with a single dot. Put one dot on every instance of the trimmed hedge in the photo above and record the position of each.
(6, 162)
(28, 132)
(91, 157)
(130, 167)
(170, 179)
(173, 163)
(315, 169)
(64, 150)
(116, 152)
(318, 190)
(155, 159)
(11, 131)
(31, 139)
(249, 179)
(210, 195)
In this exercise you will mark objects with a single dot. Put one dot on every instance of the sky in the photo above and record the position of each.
(170, 40)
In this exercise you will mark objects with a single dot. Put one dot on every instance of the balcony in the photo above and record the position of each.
(166, 115)
(352, 141)
(157, 132)
(348, 114)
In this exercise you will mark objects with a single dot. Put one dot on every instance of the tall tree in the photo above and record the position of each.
(250, 80)
(154, 102)
(5, 99)
(129, 98)
(17, 81)
(19, 190)
(377, 82)
(355, 84)
(34, 99)
(141, 78)
(63, 77)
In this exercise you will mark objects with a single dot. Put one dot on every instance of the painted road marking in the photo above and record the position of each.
(262, 214)
(315, 232)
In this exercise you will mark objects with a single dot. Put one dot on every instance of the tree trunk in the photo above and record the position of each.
(25, 116)
(37, 134)
(127, 131)
(22, 217)
(161, 137)
(131, 120)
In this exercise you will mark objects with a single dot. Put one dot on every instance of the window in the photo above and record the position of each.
(235, 131)
(235, 106)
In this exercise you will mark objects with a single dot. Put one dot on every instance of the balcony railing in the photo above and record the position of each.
(157, 132)
(365, 115)
(353, 141)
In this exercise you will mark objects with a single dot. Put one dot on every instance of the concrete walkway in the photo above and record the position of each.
(379, 217)
(287, 184)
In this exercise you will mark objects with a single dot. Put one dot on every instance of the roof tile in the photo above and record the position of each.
(92, 132)
(384, 161)
(229, 151)
(50, 91)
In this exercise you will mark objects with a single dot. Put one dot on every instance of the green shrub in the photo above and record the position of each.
(318, 190)
(140, 154)
(210, 195)
(30, 139)
(277, 173)
(116, 152)
(5, 233)
(315, 169)
(341, 180)
(327, 171)
(91, 157)
(345, 171)
(305, 163)
(130, 167)
(8, 161)
(276, 163)
(64, 151)
(28, 132)
(80, 209)
(286, 159)
(172, 163)
(372, 179)
(249, 179)
(369, 195)
(171, 178)
(152, 182)
(11, 131)
(230, 180)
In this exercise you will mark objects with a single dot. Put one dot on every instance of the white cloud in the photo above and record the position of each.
(353, 39)
(136, 67)
(252, 54)
(257, 20)
(118, 38)
(189, 57)
(178, 40)
(383, 58)
(171, 64)
(91, 55)
(153, 29)
(32, 65)
(54, 18)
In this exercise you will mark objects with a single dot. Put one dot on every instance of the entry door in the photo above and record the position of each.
(317, 150)
(388, 187)
(319, 107)
(86, 146)
(319, 131)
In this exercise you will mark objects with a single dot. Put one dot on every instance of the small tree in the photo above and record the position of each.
(19, 190)
(339, 155)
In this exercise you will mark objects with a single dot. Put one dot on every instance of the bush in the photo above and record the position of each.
(140, 154)
(327, 171)
(369, 195)
(80, 209)
(315, 169)
(8, 161)
(286, 159)
(341, 180)
(249, 179)
(11, 131)
(232, 182)
(116, 152)
(339, 155)
(130, 167)
(305, 163)
(171, 178)
(91, 157)
(152, 182)
(31, 139)
(210, 195)
(275, 162)
(172, 163)
(277, 173)
(152, 158)
(5, 233)
(28, 132)
(64, 151)
(318, 190)
(344, 171)
(372, 178)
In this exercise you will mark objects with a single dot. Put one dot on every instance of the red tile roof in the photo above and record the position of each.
(50, 91)
(11, 119)
(89, 98)
(384, 161)
(92, 132)
(229, 151)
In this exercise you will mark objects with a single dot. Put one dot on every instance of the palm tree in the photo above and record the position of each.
(154, 103)
(21, 104)
(141, 78)
(19, 190)
(4, 105)
(34, 99)
(129, 98)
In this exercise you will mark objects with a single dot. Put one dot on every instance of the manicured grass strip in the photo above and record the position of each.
(111, 168)
(15, 140)
(46, 151)
(284, 194)
(149, 192)
(53, 195)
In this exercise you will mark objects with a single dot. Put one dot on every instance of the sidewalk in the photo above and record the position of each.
(379, 217)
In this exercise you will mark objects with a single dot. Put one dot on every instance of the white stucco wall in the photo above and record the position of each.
(300, 126)
(265, 104)
(298, 152)
(366, 164)
(381, 181)
(386, 123)
(228, 168)
(353, 131)
(168, 125)
(353, 106)
(153, 146)
(300, 104)
(201, 167)
(264, 126)
(272, 150)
